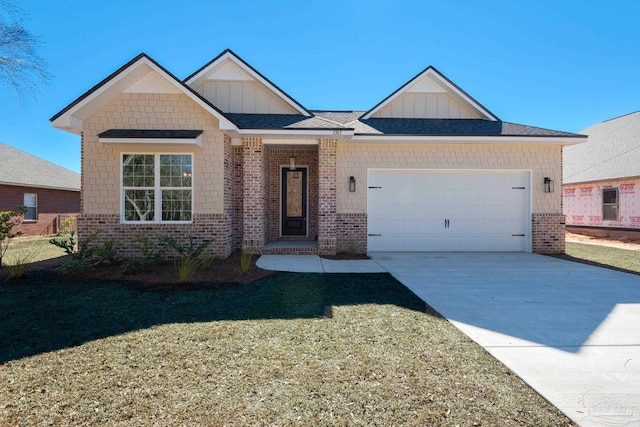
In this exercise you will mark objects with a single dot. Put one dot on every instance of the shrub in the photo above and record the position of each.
(80, 253)
(107, 253)
(18, 269)
(150, 251)
(207, 260)
(193, 250)
(245, 261)
(186, 267)
(8, 220)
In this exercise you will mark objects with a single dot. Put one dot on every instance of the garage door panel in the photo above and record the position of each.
(426, 210)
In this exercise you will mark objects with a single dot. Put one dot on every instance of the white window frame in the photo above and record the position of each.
(35, 198)
(157, 189)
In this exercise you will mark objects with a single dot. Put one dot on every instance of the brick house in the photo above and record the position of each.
(601, 183)
(226, 155)
(48, 191)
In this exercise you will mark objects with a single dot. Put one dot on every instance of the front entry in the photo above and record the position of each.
(294, 202)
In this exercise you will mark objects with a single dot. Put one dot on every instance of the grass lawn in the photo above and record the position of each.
(30, 250)
(75, 352)
(620, 258)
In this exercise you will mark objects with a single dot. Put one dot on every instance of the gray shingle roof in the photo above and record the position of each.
(23, 169)
(611, 151)
(391, 126)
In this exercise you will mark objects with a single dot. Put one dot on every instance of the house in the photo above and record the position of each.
(601, 178)
(227, 155)
(48, 191)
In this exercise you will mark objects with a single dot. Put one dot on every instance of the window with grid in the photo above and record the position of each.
(157, 187)
(610, 204)
(31, 205)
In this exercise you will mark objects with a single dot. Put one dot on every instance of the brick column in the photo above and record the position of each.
(548, 233)
(254, 203)
(327, 196)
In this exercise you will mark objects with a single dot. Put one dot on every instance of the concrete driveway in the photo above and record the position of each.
(570, 330)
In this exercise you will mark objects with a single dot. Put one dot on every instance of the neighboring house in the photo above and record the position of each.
(601, 178)
(47, 191)
(226, 155)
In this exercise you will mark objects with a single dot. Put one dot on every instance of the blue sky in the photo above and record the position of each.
(556, 64)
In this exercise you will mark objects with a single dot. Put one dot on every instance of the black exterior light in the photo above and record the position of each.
(548, 185)
(352, 184)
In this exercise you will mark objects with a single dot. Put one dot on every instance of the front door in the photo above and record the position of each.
(294, 202)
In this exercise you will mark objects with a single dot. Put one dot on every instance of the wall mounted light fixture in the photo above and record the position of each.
(292, 162)
(352, 184)
(548, 185)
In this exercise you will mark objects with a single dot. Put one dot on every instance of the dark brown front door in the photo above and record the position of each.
(294, 202)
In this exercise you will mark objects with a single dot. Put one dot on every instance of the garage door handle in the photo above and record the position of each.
(517, 235)
(375, 187)
(446, 223)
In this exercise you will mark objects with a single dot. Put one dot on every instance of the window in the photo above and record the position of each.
(157, 187)
(31, 203)
(610, 204)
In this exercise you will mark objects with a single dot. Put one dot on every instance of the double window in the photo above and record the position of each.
(610, 204)
(157, 187)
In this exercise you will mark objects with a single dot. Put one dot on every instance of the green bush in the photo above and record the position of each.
(245, 261)
(8, 220)
(150, 251)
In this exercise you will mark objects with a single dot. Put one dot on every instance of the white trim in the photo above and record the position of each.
(180, 141)
(157, 190)
(441, 80)
(282, 167)
(535, 140)
(229, 56)
(35, 206)
(337, 133)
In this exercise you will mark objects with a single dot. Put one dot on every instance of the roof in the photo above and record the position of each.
(231, 55)
(417, 127)
(64, 119)
(612, 151)
(144, 133)
(431, 71)
(23, 169)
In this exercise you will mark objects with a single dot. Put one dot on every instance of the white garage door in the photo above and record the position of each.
(449, 211)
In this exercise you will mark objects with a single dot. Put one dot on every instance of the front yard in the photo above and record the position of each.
(288, 349)
(623, 259)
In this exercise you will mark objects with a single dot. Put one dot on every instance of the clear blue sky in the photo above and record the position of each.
(556, 64)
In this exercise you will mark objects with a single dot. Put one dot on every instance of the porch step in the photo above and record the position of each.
(291, 247)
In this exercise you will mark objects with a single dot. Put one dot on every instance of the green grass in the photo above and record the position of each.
(75, 353)
(33, 248)
(615, 257)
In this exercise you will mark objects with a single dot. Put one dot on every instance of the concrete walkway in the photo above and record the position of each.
(315, 264)
(571, 331)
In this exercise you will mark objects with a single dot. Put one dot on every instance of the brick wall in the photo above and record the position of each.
(305, 157)
(548, 233)
(213, 227)
(237, 198)
(351, 230)
(254, 227)
(51, 203)
(327, 153)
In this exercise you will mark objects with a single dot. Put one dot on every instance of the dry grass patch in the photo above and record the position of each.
(251, 354)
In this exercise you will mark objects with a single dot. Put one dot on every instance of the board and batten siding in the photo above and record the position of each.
(238, 96)
(427, 106)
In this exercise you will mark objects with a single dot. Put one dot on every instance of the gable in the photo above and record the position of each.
(140, 75)
(234, 86)
(429, 95)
